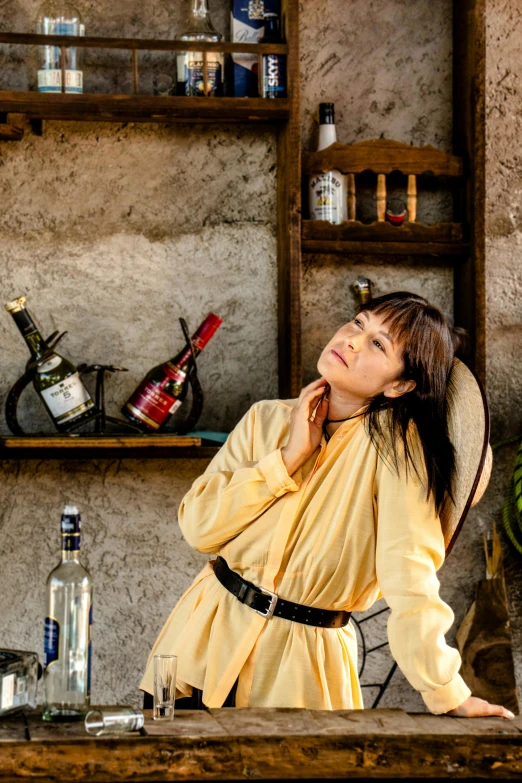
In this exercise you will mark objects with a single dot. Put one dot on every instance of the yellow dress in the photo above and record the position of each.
(340, 533)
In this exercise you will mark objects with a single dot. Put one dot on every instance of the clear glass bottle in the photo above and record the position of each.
(59, 17)
(327, 192)
(68, 623)
(190, 76)
(19, 675)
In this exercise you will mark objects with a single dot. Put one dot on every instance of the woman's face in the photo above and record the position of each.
(362, 360)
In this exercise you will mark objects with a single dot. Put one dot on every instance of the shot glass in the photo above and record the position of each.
(163, 84)
(115, 720)
(164, 687)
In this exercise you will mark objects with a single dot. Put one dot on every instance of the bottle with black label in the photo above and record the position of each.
(273, 77)
(57, 381)
(190, 65)
(68, 625)
(327, 191)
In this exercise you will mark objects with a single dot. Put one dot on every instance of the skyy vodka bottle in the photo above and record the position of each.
(67, 639)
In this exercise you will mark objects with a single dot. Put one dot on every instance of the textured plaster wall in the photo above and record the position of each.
(115, 231)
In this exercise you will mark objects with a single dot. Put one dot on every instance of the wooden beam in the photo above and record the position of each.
(469, 141)
(384, 156)
(142, 108)
(289, 220)
(147, 44)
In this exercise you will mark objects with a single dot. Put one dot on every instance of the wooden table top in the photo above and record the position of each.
(264, 744)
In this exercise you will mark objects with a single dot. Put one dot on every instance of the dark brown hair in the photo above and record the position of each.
(429, 343)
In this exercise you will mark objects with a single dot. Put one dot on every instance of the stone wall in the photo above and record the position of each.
(113, 231)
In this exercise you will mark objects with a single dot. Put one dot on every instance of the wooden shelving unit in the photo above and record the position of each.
(460, 244)
(463, 246)
(282, 113)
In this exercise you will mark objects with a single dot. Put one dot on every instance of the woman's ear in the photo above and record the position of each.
(398, 388)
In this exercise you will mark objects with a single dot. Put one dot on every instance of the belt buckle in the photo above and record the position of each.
(271, 606)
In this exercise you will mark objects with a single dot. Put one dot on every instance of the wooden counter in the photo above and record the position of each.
(262, 744)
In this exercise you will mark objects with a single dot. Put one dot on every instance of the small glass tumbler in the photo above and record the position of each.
(116, 720)
(163, 84)
(164, 687)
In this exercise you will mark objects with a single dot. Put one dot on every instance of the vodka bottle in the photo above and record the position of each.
(67, 638)
(327, 193)
(273, 76)
(57, 381)
(59, 17)
(191, 77)
(165, 387)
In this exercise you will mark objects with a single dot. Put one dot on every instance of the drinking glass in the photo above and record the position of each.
(115, 720)
(164, 687)
(163, 84)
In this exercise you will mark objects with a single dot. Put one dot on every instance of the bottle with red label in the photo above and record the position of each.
(164, 388)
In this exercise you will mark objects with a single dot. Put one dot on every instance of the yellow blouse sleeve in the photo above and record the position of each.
(410, 550)
(234, 489)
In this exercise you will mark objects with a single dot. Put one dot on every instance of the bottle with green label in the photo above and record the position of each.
(56, 381)
(68, 624)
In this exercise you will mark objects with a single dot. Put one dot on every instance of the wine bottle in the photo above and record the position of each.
(165, 387)
(190, 65)
(67, 637)
(57, 381)
(327, 193)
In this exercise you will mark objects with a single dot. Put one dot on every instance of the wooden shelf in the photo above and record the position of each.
(141, 108)
(115, 446)
(353, 237)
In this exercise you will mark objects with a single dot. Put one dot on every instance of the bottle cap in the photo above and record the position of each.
(16, 305)
(326, 114)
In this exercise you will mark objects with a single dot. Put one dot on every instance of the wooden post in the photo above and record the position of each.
(351, 197)
(206, 87)
(135, 73)
(381, 197)
(62, 66)
(412, 198)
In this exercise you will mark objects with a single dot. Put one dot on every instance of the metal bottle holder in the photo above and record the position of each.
(99, 415)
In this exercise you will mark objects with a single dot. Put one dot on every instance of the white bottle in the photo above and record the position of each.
(67, 647)
(327, 193)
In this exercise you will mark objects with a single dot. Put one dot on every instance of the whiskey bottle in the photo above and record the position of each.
(59, 17)
(273, 76)
(327, 193)
(68, 625)
(56, 381)
(164, 388)
(190, 65)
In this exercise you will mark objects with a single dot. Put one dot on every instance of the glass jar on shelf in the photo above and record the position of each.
(59, 17)
(190, 65)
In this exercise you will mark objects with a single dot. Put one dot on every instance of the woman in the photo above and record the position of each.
(329, 502)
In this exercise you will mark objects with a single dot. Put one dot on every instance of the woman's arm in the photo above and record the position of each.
(410, 550)
(234, 489)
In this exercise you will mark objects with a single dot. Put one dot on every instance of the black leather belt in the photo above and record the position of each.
(267, 604)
